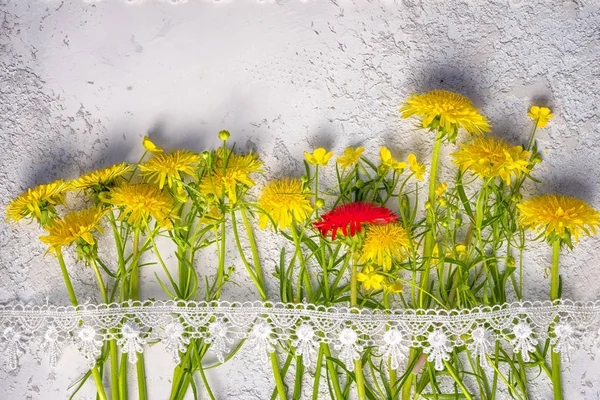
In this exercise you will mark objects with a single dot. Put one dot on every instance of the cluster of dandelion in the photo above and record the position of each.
(369, 240)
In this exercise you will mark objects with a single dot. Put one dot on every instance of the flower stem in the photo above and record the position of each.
(134, 295)
(360, 379)
(554, 288)
(277, 376)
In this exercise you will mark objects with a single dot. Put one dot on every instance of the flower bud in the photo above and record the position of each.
(224, 135)
(320, 203)
(205, 154)
(210, 197)
(359, 183)
(510, 261)
(304, 178)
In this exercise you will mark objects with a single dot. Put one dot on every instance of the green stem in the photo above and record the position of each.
(98, 381)
(554, 288)
(277, 376)
(458, 380)
(332, 372)
(254, 248)
(392, 371)
(303, 273)
(315, 393)
(360, 379)
(134, 295)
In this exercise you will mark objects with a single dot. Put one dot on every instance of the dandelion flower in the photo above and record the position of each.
(167, 167)
(370, 278)
(540, 115)
(319, 157)
(75, 226)
(559, 215)
(385, 243)
(101, 180)
(237, 173)
(447, 111)
(441, 189)
(390, 162)
(415, 167)
(488, 157)
(39, 202)
(284, 201)
(139, 202)
(151, 147)
(352, 216)
(350, 157)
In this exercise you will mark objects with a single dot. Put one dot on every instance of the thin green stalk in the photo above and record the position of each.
(315, 393)
(332, 372)
(221, 267)
(254, 248)
(277, 376)
(554, 288)
(358, 370)
(458, 380)
(98, 381)
(303, 273)
(134, 295)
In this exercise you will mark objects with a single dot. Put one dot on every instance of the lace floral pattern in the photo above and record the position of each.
(350, 331)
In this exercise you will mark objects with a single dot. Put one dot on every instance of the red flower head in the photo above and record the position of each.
(353, 215)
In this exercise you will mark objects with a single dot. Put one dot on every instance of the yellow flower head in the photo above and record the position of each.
(415, 167)
(562, 216)
(390, 162)
(167, 167)
(540, 115)
(369, 278)
(151, 147)
(461, 249)
(488, 157)
(446, 111)
(139, 202)
(38, 203)
(350, 157)
(285, 202)
(384, 243)
(101, 180)
(319, 157)
(237, 173)
(76, 225)
(441, 189)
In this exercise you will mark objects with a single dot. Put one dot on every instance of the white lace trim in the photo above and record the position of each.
(390, 333)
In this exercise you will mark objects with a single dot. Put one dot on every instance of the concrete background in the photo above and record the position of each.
(82, 82)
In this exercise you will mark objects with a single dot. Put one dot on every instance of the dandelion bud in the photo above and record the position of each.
(442, 202)
(320, 203)
(510, 261)
(458, 221)
(205, 154)
(537, 159)
(304, 178)
(516, 197)
(224, 135)
(210, 197)
(445, 224)
(428, 205)
(359, 183)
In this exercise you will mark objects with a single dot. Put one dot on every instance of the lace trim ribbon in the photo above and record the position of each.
(390, 333)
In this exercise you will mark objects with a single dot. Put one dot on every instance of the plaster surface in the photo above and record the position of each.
(82, 82)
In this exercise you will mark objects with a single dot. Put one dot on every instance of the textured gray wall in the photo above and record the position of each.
(82, 82)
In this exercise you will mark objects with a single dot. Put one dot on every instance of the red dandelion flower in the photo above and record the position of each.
(353, 215)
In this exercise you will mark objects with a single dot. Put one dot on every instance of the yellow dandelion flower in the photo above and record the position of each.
(319, 157)
(415, 167)
(447, 111)
(102, 179)
(351, 156)
(76, 225)
(441, 189)
(139, 202)
(384, 243)
(390, 162)
(369, 278)
(559, 215)
(285, 202)
(237, 173)
(394, 287)
(167, 167)
(151, 147)
(38, 203)
(488, 157)
(461, 249)
(540, 115)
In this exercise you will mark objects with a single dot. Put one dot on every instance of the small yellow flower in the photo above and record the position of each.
(101, 180)
(390, 162)
(151, 147)
(385, 243)
(167, 167)
(39, 203)
(369, 278)
(418, 169)
(394, 287)
(284, 201)
(461, 249)
(540, 115)
(559, 215)
(139, 202)
(447, 111)
(351, 156)
(441, 189)
(76, 225)
(319, 157)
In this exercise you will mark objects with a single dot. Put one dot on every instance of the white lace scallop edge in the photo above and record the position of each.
(387, 333)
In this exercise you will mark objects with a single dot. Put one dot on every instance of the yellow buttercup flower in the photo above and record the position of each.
(369, 278)
(415, 167)
(319, 157)
(284, 201)
(390, 162)
(167, 167)
(151, 147)
(562, 216)
(351, 156)
(385, 243)
(461, 249)
(540, 115)
(102, 179)
(39, 203)
(441, 189)
(488, 158)
(447, 111)
(139, 202)
(237, 173)
(76, 225)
